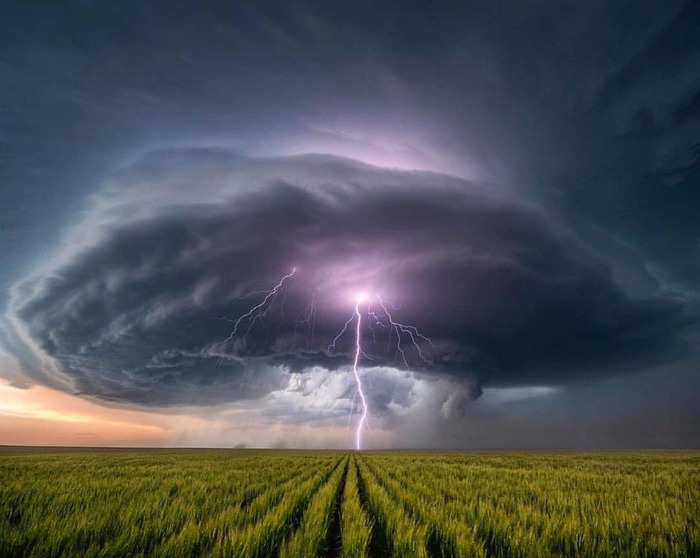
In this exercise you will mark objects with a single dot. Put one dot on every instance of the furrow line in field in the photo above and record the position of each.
(334, 541)
(444, 536)
(490, 525)
(264, 539)
(355, 524)
(258, 488)
(269, 498)
(394, 532)
(313, 535)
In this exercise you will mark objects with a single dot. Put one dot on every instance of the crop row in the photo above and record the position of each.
(123, 505)
(350, 505)
(567, 504)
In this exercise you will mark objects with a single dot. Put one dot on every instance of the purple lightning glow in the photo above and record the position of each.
(358, 380)
(400, 328)
(377, 309)
(395, 328)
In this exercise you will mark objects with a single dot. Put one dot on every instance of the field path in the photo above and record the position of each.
(310, 533)
(354, 522)
(393, 532)
(334, 541)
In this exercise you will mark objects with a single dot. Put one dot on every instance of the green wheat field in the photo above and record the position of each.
(269, 503)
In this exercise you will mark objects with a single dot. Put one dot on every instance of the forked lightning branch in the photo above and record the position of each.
(377, 313)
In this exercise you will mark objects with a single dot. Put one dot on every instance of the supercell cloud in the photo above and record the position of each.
(137, 305)
(163, 166)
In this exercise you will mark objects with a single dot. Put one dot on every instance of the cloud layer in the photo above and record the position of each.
(139, 305)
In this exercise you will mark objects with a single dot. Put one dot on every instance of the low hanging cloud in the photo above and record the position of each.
(140, 304)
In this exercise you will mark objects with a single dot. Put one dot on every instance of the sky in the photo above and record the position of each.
(205, 207)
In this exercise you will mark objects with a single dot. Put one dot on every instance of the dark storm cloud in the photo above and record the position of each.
(637, 161)
(591, 107)
(590, 111)
(652, 409)
(138, 306)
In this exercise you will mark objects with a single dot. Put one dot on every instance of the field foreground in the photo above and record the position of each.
(293, 503)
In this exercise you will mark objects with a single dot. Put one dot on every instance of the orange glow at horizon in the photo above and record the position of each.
(42, 416)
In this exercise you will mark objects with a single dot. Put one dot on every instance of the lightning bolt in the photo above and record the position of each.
(307, 320)
(358, 380)
(257, 312)
(400, 330)
(379, 313)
